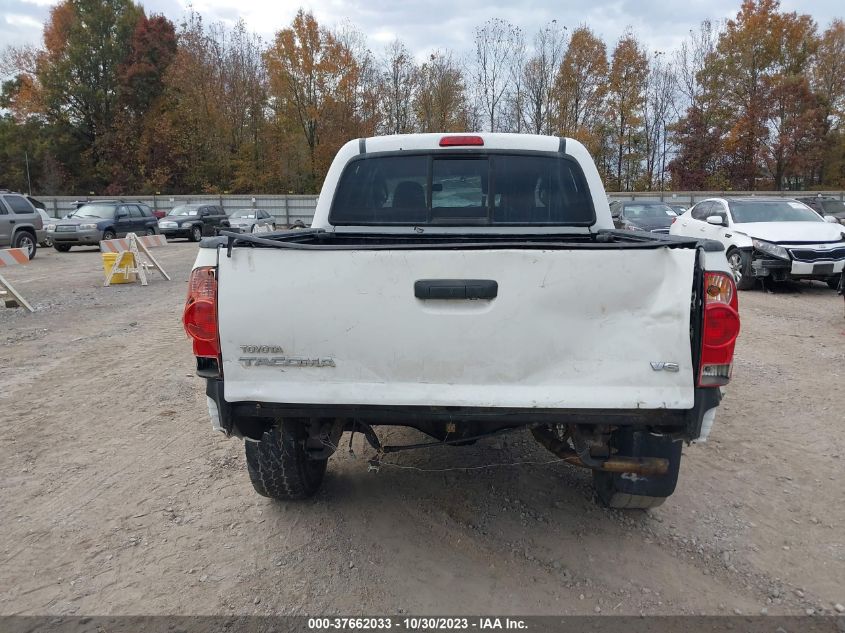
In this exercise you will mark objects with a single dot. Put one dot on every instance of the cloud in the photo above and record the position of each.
(444, 24)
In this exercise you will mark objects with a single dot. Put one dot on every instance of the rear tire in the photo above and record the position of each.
(609, 497)
(279, 466)
(740, 263)
(833, 282)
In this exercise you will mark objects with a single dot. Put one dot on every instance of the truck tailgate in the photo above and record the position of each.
(568, 329)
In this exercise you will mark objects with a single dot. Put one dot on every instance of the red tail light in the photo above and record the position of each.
(200, 315)
(720, 330)
(463, 139)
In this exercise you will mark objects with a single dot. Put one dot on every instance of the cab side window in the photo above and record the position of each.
(135, 212)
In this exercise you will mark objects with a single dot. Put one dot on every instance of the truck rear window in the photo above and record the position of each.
(467, 189)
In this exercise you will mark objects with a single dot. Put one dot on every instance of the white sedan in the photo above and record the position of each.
(775, 238)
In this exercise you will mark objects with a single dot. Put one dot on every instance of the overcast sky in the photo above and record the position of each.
(431, 24)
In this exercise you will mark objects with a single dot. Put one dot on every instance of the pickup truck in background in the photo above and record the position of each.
(465, 286)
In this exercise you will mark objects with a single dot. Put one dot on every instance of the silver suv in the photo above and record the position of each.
(20, 224)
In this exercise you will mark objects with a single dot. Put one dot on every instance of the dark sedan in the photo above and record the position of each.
(193, 221)
(655, 217)
(826, 205)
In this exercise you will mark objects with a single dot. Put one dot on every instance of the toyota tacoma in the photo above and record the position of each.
(465, 286)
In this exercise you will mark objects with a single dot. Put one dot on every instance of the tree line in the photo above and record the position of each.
(114, 101)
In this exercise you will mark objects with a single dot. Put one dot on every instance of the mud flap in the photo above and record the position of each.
(643, 444)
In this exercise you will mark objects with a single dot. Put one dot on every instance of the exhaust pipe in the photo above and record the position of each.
(613, 464)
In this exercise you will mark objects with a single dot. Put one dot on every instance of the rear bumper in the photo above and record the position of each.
(237, 418)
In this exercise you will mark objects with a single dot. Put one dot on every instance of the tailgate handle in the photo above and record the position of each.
(456, 289)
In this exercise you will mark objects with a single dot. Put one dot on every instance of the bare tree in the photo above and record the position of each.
(689, 61)
(496, 44)
(516, 96)
(399, 79)
(658, 107)
(538, 78)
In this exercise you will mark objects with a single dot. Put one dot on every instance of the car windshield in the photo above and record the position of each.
(462, 190)
(648, 211)
(94, 211)
(833, 206)
(184, 210)
(772, 211)
(249, 214)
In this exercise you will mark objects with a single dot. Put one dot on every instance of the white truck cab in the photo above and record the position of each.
(465, 285)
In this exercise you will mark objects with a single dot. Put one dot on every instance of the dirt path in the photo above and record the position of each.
(117, 498)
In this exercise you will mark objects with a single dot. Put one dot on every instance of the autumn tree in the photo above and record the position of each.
(757, 51)
(85, 43)
(441, 103)
(580, 88)
(625, 99)
(827, 77)
(308, 68)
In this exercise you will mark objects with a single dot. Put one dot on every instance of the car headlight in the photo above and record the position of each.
(87, 227)
(770, 249)
(50, 227)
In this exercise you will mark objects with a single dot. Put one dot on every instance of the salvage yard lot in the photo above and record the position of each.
(117, 498)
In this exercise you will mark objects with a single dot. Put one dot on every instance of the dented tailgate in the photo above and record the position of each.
(566, 329)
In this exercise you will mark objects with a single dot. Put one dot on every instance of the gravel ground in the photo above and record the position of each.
(117, 498)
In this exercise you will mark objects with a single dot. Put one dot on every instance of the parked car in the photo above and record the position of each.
(97, 221)
(20, 224)
(465, 286)
(46, 241)
(639, 215)
(246, 220)
(826, 206)
(193, 221)
(769, 238)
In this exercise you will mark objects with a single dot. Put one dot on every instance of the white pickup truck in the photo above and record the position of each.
(465, 286)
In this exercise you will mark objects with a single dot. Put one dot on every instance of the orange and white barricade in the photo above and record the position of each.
(136, 245)
(11, 297)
